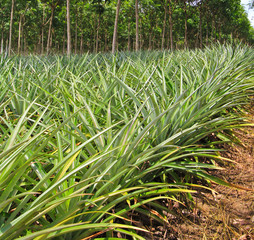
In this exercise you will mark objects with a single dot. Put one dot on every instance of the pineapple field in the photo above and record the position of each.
(91, 144)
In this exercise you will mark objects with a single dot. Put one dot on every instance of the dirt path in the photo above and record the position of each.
(228, 214)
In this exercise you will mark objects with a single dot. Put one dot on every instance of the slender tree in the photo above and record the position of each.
(53, 6)
(97, 33)
(170, 25)
(68, 28)
(137, 31)
(99, 6)
(19, 37)
(76, 30)
(200, 26)
(42, 29)
(114, 42)
(185, 25)
(50, 28)
(2, 43)
(11, 21)
(164, 25)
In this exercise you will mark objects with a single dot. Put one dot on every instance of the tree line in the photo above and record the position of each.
(78, 26)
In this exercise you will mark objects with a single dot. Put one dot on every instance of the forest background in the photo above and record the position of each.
(78, 26)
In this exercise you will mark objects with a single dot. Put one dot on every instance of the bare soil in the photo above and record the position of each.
(226, 214)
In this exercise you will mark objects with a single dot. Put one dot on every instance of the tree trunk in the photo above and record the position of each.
(177, 39)
(207, 30)
(2, 42)
(97, 34)
(64, 41)
(196, 41)
(200, 27)
(34, 48)
(42, 30)
(19, 37)
(106, 41)
(140, 35)
(51, 40)
(6, 46)
(50, 29)
(129, 36)
(137, 32)
(38, 48)
(215, 31)
(76, 32)
(93, 40)
(22, 49)
(114, 43)
(11, 21)
(213, 35)
(170, 26)
(168, 40)
(25, 45)
(219, 32)
(68, 29)
(150, 40)
(153, 41)
(81, 43)
(164, 29)
(212, 31)
(185, 27)
(81, 32)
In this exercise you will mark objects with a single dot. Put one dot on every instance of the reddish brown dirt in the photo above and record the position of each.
(228, 213)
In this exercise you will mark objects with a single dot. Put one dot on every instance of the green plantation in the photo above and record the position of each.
(87, 140)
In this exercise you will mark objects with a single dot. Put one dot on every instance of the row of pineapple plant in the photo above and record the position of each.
(88, 139)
